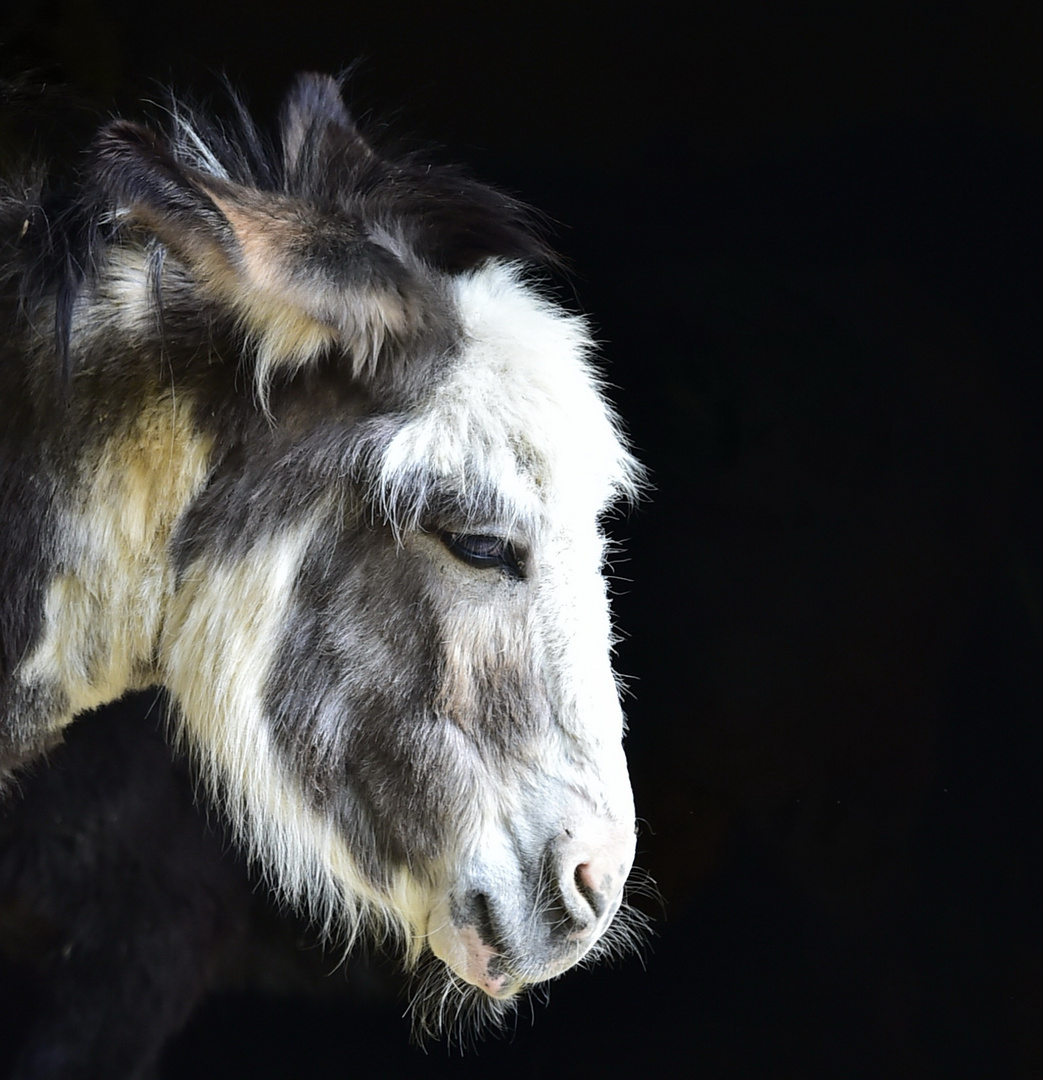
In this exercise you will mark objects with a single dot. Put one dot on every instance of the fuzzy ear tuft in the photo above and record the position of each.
(135, 171)
(300, 280)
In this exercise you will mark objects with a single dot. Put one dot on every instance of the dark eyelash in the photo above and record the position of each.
(479, 550)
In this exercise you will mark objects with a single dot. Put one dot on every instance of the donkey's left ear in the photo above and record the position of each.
(136, 174)
(298, 281)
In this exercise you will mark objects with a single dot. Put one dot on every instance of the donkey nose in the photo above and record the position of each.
(589, 881)
(593, 885)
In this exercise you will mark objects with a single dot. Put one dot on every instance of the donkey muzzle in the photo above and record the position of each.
(524, 924)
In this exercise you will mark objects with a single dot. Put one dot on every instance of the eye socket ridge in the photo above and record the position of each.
(484, 551)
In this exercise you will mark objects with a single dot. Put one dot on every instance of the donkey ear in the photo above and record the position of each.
(456, 223)
(134, 170)
(316, 126)
(297, 280)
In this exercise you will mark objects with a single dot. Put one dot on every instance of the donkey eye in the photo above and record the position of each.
(482, 551)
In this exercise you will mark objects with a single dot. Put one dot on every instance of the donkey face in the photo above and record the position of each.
(375, 590)
(423, 652)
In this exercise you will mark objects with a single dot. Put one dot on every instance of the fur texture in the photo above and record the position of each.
(292, 435)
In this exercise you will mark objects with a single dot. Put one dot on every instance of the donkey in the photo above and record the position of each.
(289, 431)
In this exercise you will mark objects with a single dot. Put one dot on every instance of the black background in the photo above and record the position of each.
(809, 237)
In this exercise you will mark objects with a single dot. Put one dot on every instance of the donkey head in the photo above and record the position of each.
(385, 624)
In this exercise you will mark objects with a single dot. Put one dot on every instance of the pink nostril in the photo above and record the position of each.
(591, 888)
(586, 866)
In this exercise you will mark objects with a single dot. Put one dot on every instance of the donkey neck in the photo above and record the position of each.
(112, 581)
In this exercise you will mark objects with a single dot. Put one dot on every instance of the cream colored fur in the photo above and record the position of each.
(106, 606)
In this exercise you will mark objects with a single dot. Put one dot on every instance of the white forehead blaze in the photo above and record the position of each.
(520, 412)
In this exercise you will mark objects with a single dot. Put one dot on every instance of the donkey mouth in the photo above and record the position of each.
(487, 965)
(470, 950)
(501, 954)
